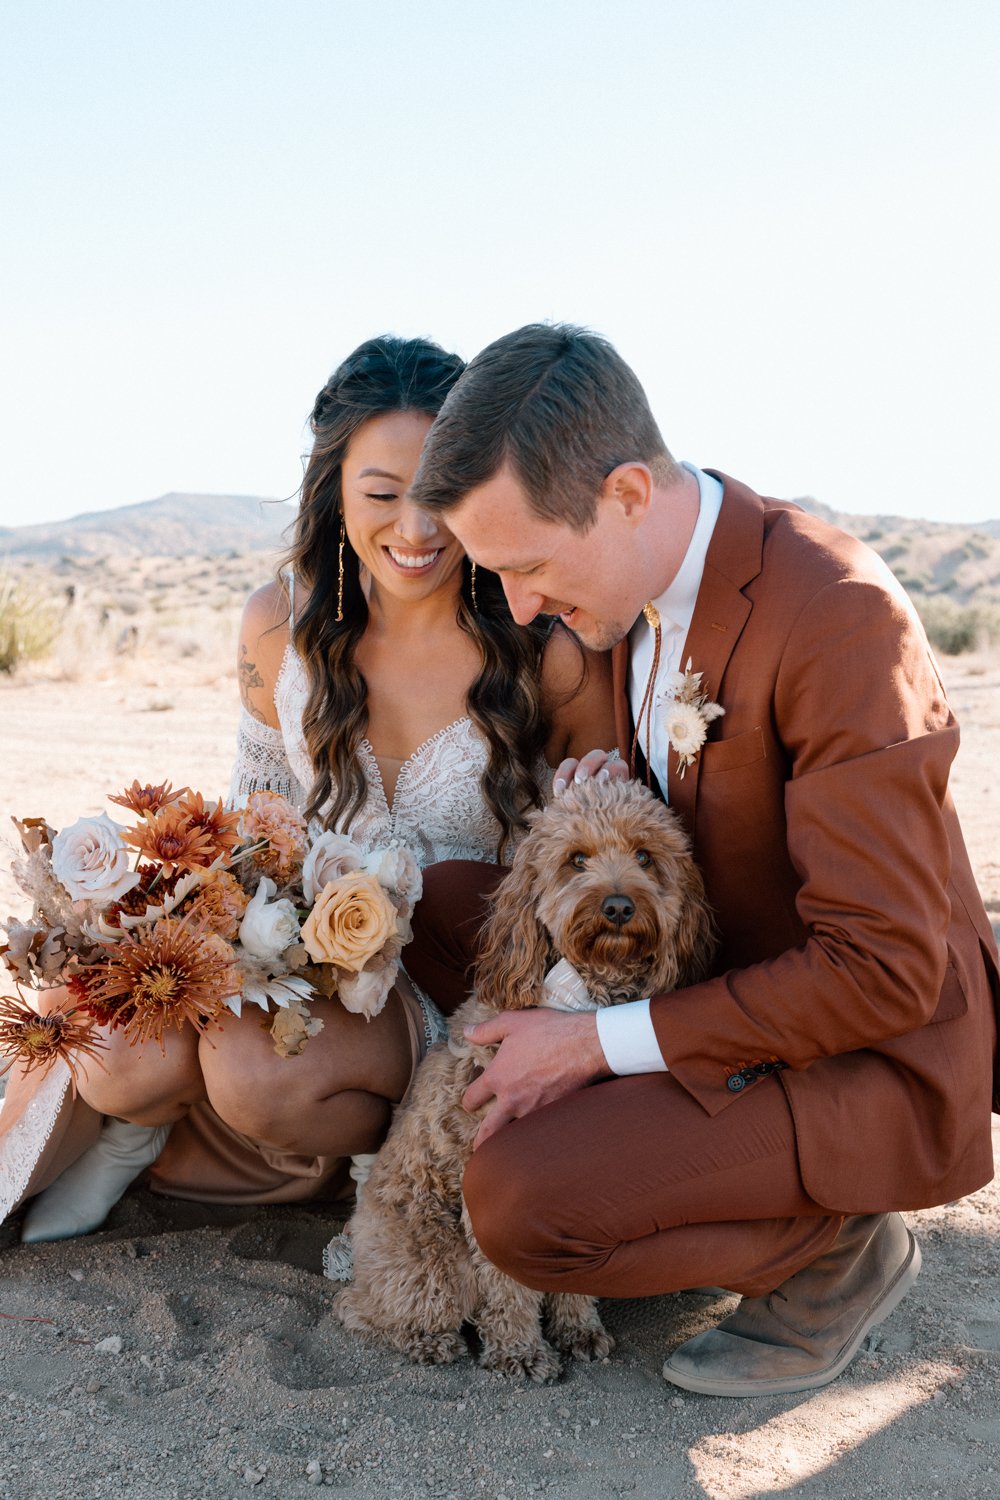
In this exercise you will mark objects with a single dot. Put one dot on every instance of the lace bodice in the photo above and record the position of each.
(437, 808)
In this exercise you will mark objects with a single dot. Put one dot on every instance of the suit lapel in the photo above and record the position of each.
(721, 612)
(719, 617)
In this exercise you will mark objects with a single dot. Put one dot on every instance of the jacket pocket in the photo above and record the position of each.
(952, 1002)
(730, 755)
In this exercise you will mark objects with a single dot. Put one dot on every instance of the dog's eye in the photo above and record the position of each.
(643, 857)
(578, 860)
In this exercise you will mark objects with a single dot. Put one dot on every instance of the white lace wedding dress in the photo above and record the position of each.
(437, 810)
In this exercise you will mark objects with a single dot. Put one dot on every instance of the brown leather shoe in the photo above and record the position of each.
(807, 1331)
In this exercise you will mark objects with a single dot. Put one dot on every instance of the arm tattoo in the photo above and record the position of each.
(249, 678)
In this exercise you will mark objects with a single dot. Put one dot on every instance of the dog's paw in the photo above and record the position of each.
(350, 1308)
(582, 1343)
(537, 1362)
(434, 1348)
(572, 1324)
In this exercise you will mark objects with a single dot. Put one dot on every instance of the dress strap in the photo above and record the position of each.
(290, 576)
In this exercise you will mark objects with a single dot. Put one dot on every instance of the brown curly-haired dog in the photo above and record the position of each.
(604, 879)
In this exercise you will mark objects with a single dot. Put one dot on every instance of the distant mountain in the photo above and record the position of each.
(172, 526)
(930, 558)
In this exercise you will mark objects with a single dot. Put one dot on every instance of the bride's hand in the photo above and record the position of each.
(596, 765)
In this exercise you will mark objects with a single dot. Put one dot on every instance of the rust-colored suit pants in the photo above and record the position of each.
(627, 1188)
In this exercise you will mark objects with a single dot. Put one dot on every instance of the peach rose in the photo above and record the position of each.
(352, 919)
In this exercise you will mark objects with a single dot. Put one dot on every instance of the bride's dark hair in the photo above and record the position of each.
(504, 701)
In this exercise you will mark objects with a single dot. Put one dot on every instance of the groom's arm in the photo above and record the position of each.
(870, 739)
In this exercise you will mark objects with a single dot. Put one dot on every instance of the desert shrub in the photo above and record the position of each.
(29, 621)
(913, 583)
(953, 628)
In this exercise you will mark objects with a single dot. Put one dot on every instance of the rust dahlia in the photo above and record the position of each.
(147, 799)
(172, 840)
(211, 818)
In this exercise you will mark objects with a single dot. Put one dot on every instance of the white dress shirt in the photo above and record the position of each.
(626, 1031)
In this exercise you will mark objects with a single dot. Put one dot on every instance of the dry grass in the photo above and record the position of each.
(148, 620)
(29, 620)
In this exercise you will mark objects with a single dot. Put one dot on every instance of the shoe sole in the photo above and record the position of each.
(890, 1298)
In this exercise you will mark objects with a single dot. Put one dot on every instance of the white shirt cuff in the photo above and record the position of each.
(626, 1034)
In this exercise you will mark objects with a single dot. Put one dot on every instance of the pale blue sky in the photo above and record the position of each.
(783, 212)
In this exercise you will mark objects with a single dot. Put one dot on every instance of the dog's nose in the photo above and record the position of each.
(618, 909)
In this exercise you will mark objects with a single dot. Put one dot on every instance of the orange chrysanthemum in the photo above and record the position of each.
(172, 840)
(147, 799)
(38, 1040)
(222, 827)
(271, 819)
(163, 977)
(220, 905)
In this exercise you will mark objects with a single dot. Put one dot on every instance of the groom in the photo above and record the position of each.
(762, 1129)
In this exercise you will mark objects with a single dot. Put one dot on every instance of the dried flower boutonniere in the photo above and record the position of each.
(689, 711)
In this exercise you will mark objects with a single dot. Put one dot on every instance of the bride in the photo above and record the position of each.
(387, 691)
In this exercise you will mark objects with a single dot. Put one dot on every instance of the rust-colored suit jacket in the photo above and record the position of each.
(855, 947)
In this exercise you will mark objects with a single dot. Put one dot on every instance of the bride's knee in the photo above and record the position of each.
(303, 1103)
(248, 1085)
(142, 1083)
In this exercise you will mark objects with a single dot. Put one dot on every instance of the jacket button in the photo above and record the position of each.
(736, 1083)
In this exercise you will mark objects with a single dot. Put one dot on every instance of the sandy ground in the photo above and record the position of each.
(232, 1374)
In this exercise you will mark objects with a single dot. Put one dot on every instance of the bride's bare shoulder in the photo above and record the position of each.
(261, 649)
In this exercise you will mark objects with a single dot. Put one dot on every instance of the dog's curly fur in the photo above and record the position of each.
(418, 1272)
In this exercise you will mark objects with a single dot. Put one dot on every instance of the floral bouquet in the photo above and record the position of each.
(195, 909)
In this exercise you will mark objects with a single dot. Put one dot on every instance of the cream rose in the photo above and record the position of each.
(397, 870)
(352, 919)
(268, 927)
(332, 855)
(365, 994)
(91, 861)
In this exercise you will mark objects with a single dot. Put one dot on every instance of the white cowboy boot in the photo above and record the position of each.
(81, 1198)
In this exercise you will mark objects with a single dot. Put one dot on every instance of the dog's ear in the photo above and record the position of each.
(696, 931)
(517, 950)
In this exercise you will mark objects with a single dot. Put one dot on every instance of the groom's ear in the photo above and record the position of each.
(630, 487)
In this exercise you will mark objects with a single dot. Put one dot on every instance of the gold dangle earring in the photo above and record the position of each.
(475, 601)
(340, 572)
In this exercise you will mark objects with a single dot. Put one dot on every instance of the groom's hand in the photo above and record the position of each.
(543, 1054)
(596, 765)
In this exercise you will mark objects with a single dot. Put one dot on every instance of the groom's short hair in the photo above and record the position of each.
(556, 403)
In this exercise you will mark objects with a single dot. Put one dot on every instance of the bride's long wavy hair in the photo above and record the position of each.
(504, 701)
